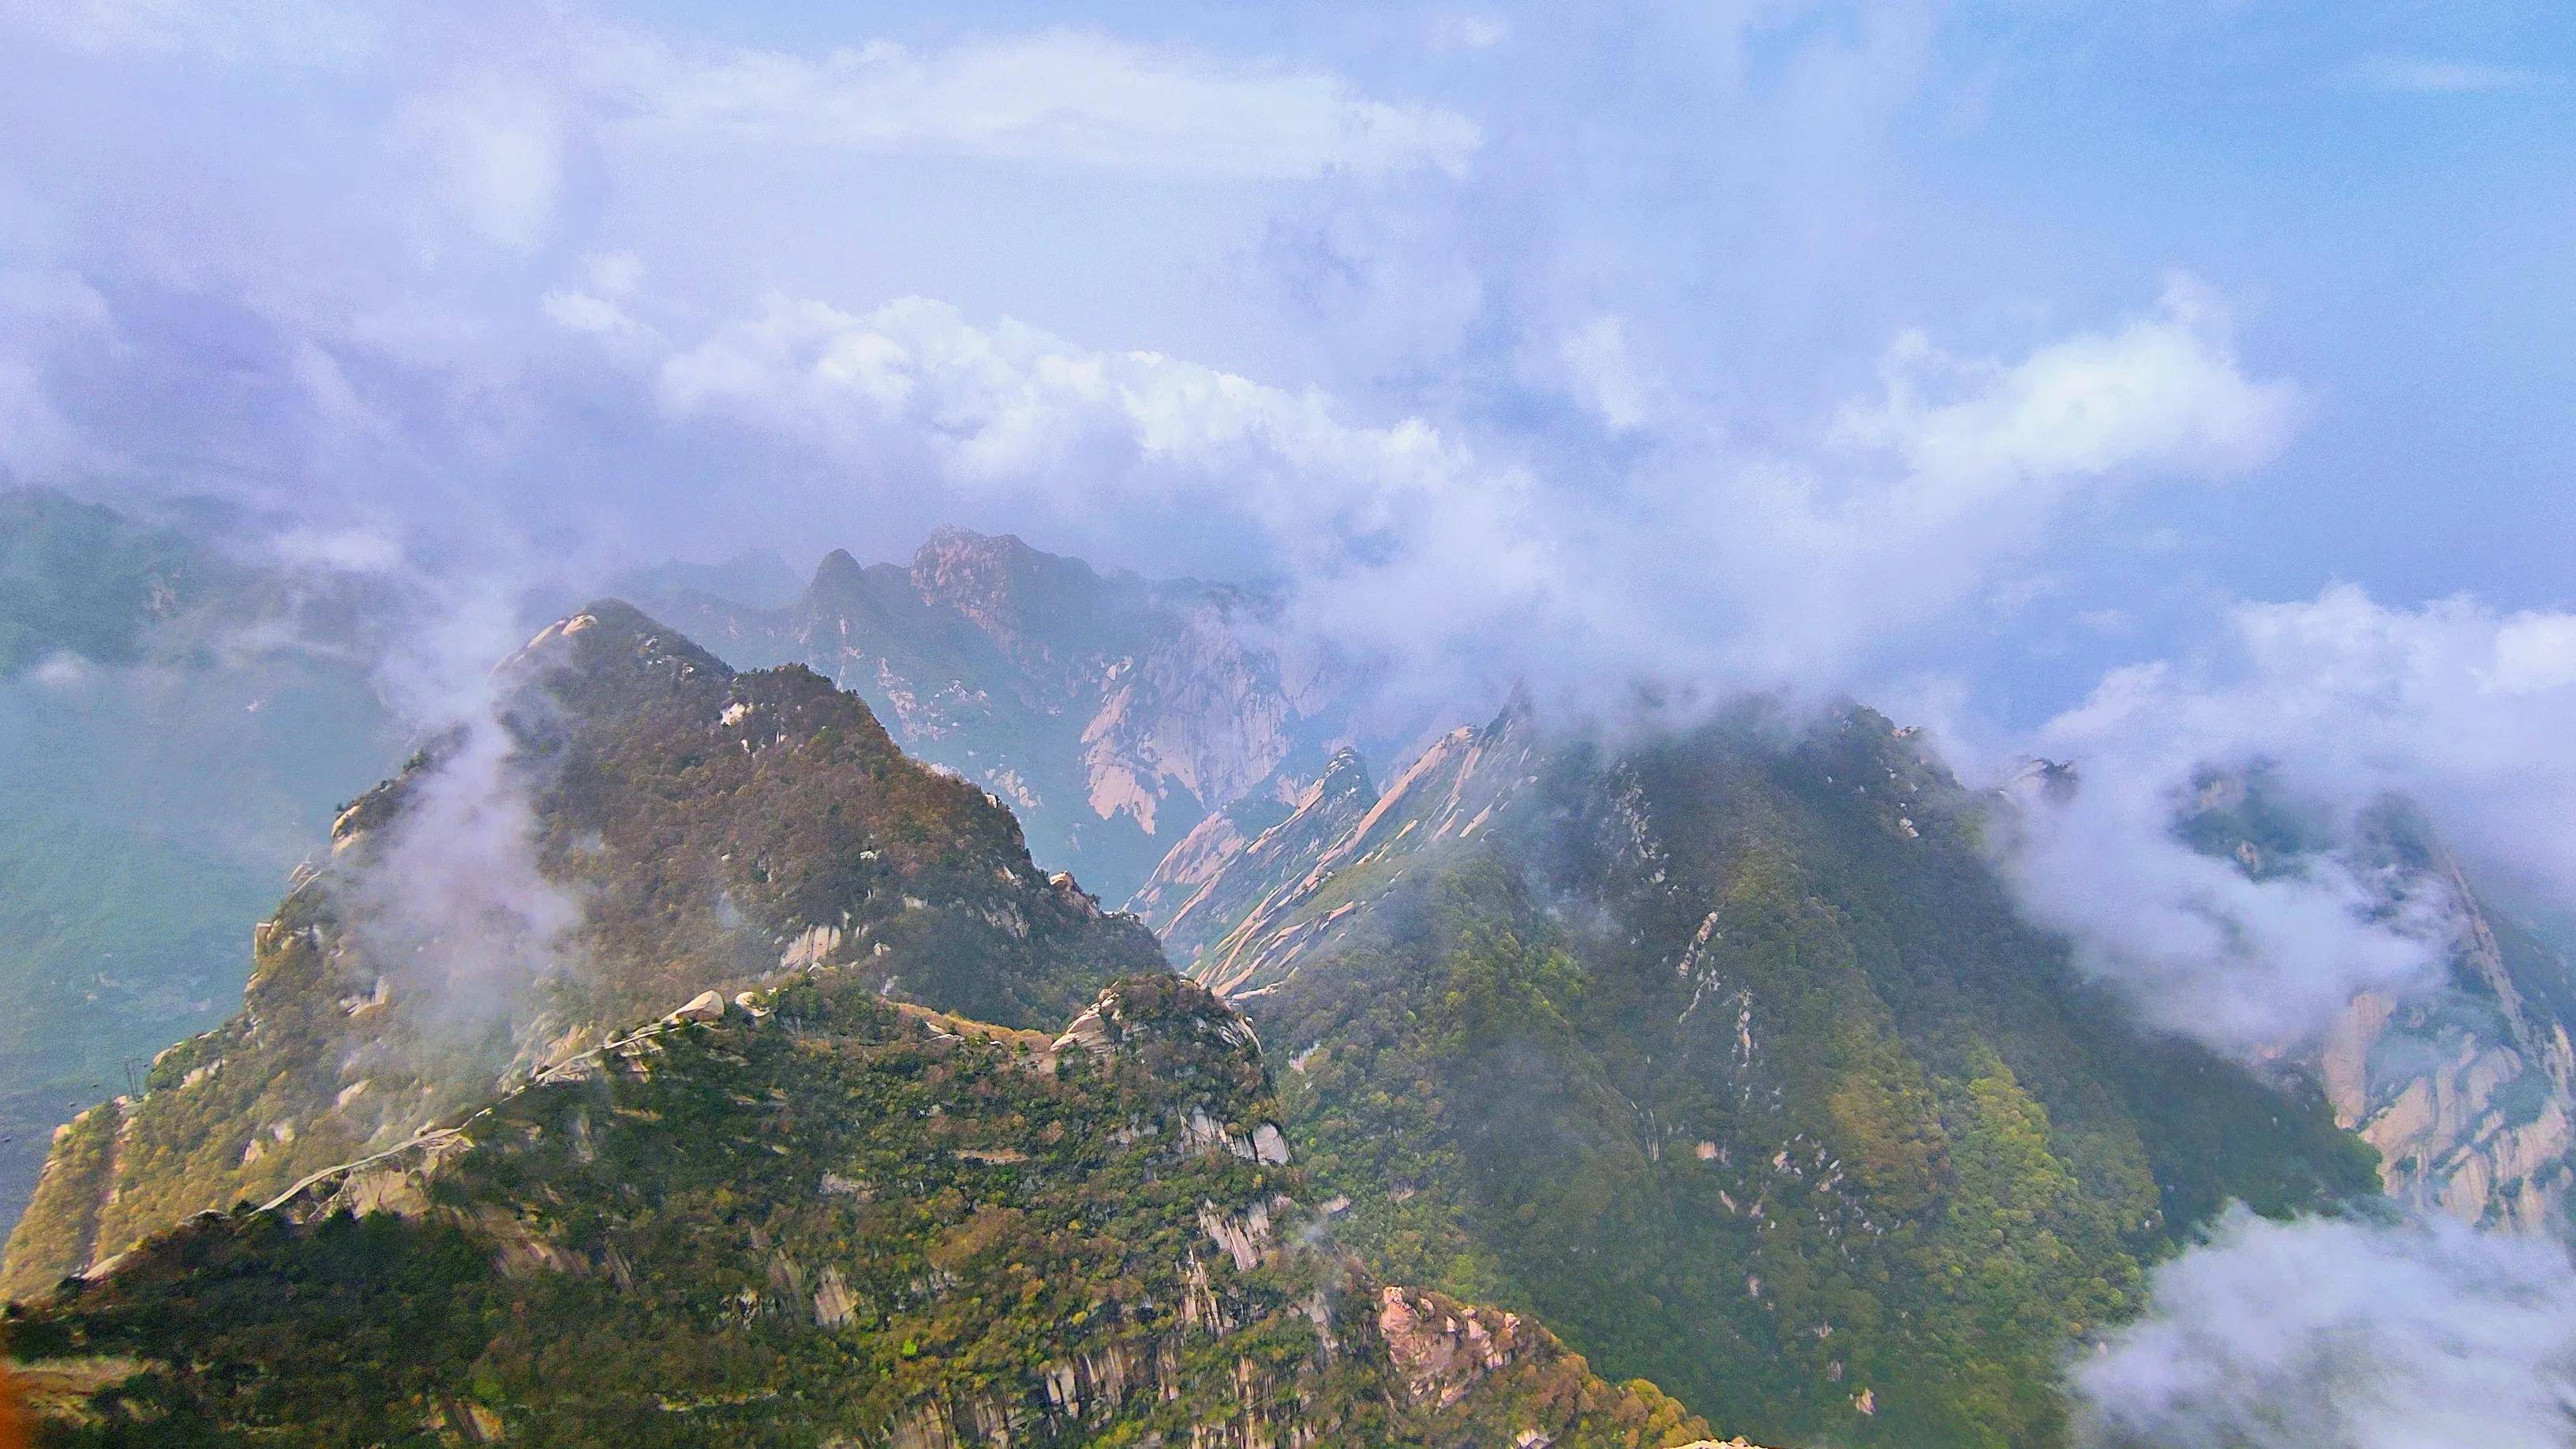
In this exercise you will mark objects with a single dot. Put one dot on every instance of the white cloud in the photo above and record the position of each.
(494, 147)
(1604, 374)
(1416, 541)
(599, 306)
(46, 313)
(2425, 75)
(2198, 946)
(1381, 513)
(2325, 1334)
(614, 274)
(295, 32)
(355, 550)
(2535, 653)
(2164, 392)
(1469, 32)
(2463, 710)
(1066, 97)
(1961, 469)
(36, 440)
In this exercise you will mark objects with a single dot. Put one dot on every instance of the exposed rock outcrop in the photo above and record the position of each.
(2466, 1084)
(1239, 915)
(2470, 1094)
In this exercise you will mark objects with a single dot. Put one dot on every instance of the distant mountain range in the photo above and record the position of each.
(1112, 713)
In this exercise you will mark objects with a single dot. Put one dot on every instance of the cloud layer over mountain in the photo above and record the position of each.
(2348, 1334)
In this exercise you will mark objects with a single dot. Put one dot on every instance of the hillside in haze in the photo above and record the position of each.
(171, 742)
(1729, 1057)
(1460, 724)
(692, 829)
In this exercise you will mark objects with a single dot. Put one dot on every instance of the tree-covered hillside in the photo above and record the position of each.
(1728, 1057)
(817, 1218)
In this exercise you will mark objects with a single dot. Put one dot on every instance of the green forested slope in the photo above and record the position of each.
(1727, 1055)
(817, 1219)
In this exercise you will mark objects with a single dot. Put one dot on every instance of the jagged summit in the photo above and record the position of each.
(955, 543)
(1345, 772)
(614, 642)
(838, 572)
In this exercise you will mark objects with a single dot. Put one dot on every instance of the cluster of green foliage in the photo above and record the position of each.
(681, 828)
(814, 1226)
(1730, 1059)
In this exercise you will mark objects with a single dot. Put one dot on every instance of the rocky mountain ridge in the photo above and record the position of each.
(806, 1217)
(2467, 1091)
(1722, 1054)
(834, 1215)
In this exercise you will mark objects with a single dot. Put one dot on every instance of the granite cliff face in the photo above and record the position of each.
(1224, 871)
(1244, 913)
(1112, 713)
(2467, 1089)
(2469, 1094)
(1727, 1055)
(640, 824)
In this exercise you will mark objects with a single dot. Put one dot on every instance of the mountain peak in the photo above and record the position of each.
(1019, 595)
(957, 560)
(1346, 773)
(953, 539)
(838, 568)
(612, 636)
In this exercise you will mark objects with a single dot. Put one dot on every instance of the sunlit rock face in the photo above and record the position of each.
(2467, 1093)
(2465, 1083)
(1111, 712)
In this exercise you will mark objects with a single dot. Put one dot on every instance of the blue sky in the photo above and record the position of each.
(1636, 321)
